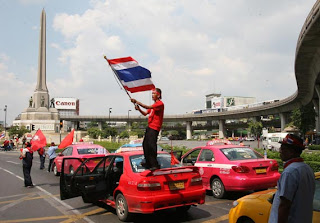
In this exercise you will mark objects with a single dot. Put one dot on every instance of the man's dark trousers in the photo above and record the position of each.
(42, 160)
(26, 174)
(150, 148)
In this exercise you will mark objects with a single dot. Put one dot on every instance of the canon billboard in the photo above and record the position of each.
(65, 103)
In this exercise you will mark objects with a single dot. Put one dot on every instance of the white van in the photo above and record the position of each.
(272, 140)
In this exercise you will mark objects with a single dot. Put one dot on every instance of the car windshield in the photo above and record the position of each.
(164, 161)
(240, 154)
(82, 151)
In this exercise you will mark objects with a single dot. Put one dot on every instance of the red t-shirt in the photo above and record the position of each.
(156, 115)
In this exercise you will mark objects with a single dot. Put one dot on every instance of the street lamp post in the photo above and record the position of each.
(109, 115)
(128, 120)
(5, 120)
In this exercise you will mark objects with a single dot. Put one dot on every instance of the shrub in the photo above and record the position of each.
(314, 147)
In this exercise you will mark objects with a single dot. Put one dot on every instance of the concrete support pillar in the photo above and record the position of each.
(73, 125)
(100, 125)
(221, 129)
(283, 120)
(129, 126)
(189, 130)
(317, 107)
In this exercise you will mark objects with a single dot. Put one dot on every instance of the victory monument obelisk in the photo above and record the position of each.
(38, 113)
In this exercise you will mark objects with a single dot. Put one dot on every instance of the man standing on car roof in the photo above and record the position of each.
(293, 201)
(155, 120)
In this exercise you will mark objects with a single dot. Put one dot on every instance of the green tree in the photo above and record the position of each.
(124, 134)
(92, 125)
(255, 128)
(109, 131)
(137, 132)
(17, 131)
(304, 118)
(94, 132)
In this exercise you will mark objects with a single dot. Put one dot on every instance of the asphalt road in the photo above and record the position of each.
(42, 203)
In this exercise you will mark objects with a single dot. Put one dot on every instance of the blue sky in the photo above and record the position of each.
(193, 48)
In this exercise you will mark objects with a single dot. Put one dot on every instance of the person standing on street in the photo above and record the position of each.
(51, 154)
(155, 120)
(42, 156)
(293, 201)
(27, 155)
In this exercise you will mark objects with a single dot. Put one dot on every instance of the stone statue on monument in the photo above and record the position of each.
(42, 101)
(30, 102)
(52, 103)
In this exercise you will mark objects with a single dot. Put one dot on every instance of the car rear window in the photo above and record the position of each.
(82, 151)
(240, 154)
(164, 161)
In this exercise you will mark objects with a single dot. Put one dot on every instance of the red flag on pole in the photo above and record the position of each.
(67, 140)
(38, 140)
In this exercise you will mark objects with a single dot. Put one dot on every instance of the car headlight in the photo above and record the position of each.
(235, 203)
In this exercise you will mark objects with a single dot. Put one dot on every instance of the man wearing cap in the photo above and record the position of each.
(293, 201)
(155, 120)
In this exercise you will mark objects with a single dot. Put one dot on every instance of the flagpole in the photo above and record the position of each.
(105, 57)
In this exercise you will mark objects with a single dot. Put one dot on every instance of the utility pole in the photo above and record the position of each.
(5, 120)
(128, 120)
(109, 115)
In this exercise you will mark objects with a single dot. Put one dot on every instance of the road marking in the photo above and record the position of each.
(13, 162)
(37, 219)
(30, 198)
(71, 218)
(14, 203)
(78, 217)
(15, 195)
(66, 206)
(219, 219)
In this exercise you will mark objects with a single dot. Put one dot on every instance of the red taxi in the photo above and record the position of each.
(78, 150)
(121, 182)
(226, 167)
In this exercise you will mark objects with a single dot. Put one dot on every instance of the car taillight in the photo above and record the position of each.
(149, 185)
(241, 169)
(196, 181)
(275, 167)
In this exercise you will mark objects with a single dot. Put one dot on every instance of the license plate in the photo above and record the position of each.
(261, 170)
(178, 185)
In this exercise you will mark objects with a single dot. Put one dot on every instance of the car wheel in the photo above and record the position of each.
(71, 170)
(55, 170)
(183, 209)
(217, 188)
(122, 208)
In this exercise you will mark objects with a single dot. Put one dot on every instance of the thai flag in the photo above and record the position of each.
(133, 77)
(2, 135)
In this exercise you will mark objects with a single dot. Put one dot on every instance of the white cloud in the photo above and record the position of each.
(13, 90)
(219, 47)
(193, 48)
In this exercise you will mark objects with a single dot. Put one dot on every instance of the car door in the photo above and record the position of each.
(206, 166)
(88, 180)
(64, 154)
